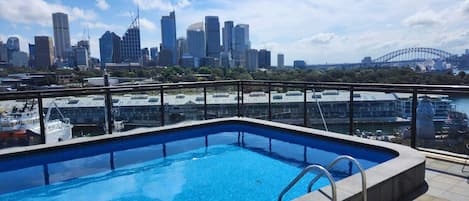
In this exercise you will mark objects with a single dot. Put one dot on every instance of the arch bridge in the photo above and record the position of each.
(416, 54)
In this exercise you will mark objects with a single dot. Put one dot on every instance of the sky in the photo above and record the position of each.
(317, 31)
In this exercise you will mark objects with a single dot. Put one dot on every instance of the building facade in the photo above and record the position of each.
(61, 35)
(280, 60)
(32, 55)
(196, 40)
(241, 44)
(154, 53)
(130, 45)
(264, 58)
(110, 48)
(228, 36)
(19, 59)
(212, 36)
(168, 35)
(252, 59)
(44, 52)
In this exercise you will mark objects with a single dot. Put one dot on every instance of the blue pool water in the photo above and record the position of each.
(222, 162)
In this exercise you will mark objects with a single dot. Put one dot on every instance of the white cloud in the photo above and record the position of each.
(147, 24)
(423, 18)
(319, 38)
(39, 12)
(103, 26)
(102, 4)
(164, 5)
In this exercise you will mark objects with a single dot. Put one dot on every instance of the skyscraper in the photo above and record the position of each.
(32, 55)
(13, 43)
(61, 35)
(85, 44)
(44, 52)
(264, 58)
(212, 36)
(181, 49)
(252, 59)
(3, 52)
(241, 44)
(130, 44)
(280, 60)
(110, 48)
(228, 37)
(196, 40)
(153, 53)
(168, 36)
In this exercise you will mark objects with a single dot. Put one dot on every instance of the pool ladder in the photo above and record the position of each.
(325, 171)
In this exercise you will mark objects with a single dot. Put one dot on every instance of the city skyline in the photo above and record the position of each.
(317, 32)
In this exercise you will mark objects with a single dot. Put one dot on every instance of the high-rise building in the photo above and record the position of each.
(228, 37)
(32, 55)
(61, 35)
(110, 48)
(280, 60)
(241, 43)
(168, 36)
(145, 56)
(85, 44)
(212, 36)
(154, 53)
(299, 64)
(79, 57)
(252, 60)
(19, 59)
(264, 58)
(182, 49)
(44, 52)
(3, 52)
(13, 44)
(196, 40)
(130, 45)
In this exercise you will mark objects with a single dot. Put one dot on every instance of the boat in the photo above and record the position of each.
(21, 127)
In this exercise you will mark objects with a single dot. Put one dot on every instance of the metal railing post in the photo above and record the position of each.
(270, 102)
(305, 107)
(413, 136)
(41, 119)
(108, 104)
(237, 98)
(242, 98)
(205, 102)
(162, 106)
(350, 112)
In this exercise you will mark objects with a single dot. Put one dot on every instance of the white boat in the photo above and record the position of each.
(21, 127)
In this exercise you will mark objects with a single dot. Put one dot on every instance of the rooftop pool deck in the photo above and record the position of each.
(393, 171)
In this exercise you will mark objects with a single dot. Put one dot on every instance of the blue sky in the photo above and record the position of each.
(318, 31)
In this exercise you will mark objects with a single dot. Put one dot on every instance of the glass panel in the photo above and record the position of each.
(19, 123)
(256, 102)
(288, 105)
(328, 110)
(135, 110)
(74, 116)
(442, 123)
(222, 102)
(183, 105)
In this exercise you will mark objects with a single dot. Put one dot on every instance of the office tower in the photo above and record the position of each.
(110, 48)
(44, 51)
(196, 40)
(13, 44)
(252, 59)
(3, 52)
(165, 57)
(145, 56)
(78, 57)
(228, 37)
(299, 64)
(61, 34)
(85, 44)
(19, 59)
(168, 36)
(130, 44)
(182, 49)
(264, 58)
(241, 43)
(212, 36)
(32, 55)
(280, 60)
(154, 53)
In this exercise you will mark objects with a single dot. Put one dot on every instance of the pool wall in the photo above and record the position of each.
(391, 180)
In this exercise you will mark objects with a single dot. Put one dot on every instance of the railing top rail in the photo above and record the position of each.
(405, 88)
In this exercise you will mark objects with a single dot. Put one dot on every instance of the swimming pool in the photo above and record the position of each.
(227, 159)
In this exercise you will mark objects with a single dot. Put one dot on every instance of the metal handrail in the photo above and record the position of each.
(333, 163)
(303, 173)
